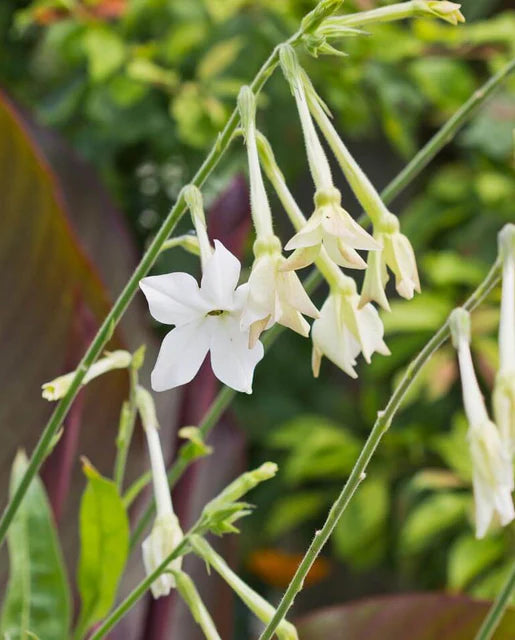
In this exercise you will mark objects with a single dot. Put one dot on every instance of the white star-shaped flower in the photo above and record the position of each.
(206, 319)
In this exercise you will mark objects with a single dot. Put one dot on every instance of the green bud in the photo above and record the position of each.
(56, 389)
(193, 199)
(258, 605)
(189, 242)
(247, 109)
(186, 587)
(506, 241)
(289, 64)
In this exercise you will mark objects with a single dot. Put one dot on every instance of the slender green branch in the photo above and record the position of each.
(139, 591)
(448, 131)
(126, 429)
(357, 475)
(496, 612)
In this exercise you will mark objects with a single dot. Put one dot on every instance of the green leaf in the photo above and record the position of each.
(469, 557)
(430, 518)
(291, 510)
(453, 448)
(359, 536)
(105, 51)
(37, 579)
(426, 312)
(219, 58)
(320, 448)
(104, 538)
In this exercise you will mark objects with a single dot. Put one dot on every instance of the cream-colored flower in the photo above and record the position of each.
(397, 254)
(344, 330)
(333, 228)
(491, 463)
(448, 11)
(275, 295)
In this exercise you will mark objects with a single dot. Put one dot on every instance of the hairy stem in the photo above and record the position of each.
(499, 606)
(357, 475)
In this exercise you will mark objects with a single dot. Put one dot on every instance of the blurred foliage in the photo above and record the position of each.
(141, 89)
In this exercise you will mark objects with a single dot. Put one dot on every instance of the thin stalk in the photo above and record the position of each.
(357, 475)
(126, 430)
(139, 591)
(447, 132)
(499, 606)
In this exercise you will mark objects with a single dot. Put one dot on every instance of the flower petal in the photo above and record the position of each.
(182, 352)
(173, 298)
(220, 278)
(232, 361)
(291, 290)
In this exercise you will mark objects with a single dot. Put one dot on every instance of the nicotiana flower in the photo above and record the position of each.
(344, 330)
(330, 225)
(397, 254)
(166, 532)
(491, 463)
(206, 318)
(274, 295)
(448, 11)
(333, 228)
(504, 389)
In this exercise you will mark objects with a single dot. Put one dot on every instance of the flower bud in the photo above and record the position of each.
(448, 11)
(193, 199)
(166, 534)
(258, 605)
(56, 389)
(190, 595)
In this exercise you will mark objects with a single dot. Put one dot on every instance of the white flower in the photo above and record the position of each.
(332, 227)
(206, 319)
(492, 469)
(275, 296)
(166, 533)
(504, 390)
(344, 330)
(397, 254)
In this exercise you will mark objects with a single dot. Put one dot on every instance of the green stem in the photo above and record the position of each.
(447, 132)
(357, 475)
(496, 612)
(139, 591)
(126, 431)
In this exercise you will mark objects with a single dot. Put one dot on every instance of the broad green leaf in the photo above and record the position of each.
(291, 510)
(359, 537)
(37, 578)
(426, 312)
(430, 518)
(469, 557)
(448, 268)
(428, 616)
(104, 538)
(105, 51)
(319, 448)
(218, 58)
(489, 586)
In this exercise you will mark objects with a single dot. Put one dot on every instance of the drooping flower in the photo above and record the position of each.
(274, 295)
(207, 319)
(491, 463)
(504, 389)
(329, 225)
(166, 532)
(344, 330)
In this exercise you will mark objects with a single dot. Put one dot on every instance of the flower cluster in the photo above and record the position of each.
(226, 319)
